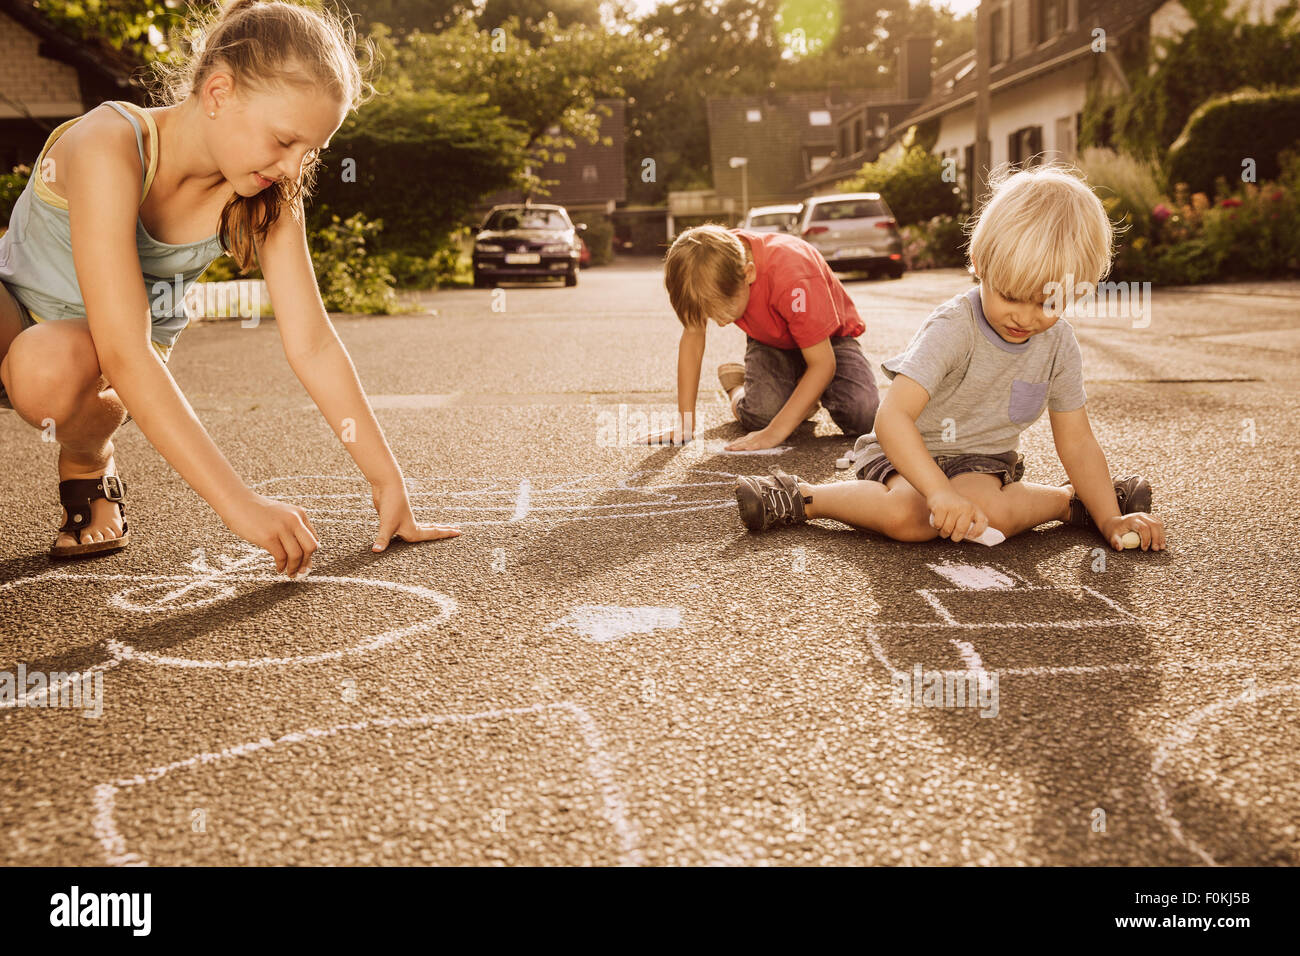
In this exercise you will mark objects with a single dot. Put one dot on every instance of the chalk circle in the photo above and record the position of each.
(158, 586)
(598, 764)
(154, 598)
(1180, 738)
(446, 607)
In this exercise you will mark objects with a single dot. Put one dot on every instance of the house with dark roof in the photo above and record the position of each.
(47, 77)
(1018, 97)
(592, 177)
(783, 147)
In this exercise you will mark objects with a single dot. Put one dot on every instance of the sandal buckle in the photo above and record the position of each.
(114, 489)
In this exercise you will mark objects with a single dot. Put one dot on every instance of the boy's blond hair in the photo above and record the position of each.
(1040, 226)
(704, 269)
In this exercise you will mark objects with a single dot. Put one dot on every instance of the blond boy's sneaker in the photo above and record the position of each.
(1132, 492)
(731, 375)
(767, 501)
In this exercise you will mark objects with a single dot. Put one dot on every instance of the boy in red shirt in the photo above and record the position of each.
(802, 333)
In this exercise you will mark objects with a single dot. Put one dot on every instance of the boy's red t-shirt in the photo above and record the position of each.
(795, 301)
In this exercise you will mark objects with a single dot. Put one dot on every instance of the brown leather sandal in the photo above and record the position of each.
(75, 495)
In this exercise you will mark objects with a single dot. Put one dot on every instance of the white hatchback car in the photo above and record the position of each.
(773, 218)
(855, 232)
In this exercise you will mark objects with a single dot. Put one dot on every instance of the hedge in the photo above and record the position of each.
(1226, 130)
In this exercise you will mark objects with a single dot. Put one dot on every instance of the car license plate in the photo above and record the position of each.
(523, 258)
(853, 252)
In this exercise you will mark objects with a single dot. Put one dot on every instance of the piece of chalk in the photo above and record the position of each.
(988, 538)
(842, 463)
(301, 574)
(1131, 539)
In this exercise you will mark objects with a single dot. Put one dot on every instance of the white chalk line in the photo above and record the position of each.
(521, 503)
(526, 501)
(938, 607)
(121, 652)
(26, 699)
(973, 577)
(1184, 733)
(930, 595)
(970, 657)
(104, 796)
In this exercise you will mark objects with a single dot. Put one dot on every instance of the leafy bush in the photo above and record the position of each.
(1228, 129)
(1223, 51)
(1254, 232)
(599, 238)
(446, 266)
(913, 184)
(350, 279)
(419, 161)
(939, 243)
(1127, 187)
(11, 187)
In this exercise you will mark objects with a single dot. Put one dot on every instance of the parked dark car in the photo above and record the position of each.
(527, 241)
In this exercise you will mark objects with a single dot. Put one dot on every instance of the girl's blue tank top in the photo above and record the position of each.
(36, 253)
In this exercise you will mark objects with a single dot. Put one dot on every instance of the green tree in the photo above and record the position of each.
(912, 182)
(547, 89)
(1222, 52)
(121, 24)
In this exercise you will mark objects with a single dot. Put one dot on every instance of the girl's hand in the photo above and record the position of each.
(395, 518)
(280, 528)
(1149, 528)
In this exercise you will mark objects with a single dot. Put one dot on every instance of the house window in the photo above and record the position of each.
(754, 116)
(1025, 146)
(1051, 18)
(844, 140)
(817, 163)
(857, 136)
(819, 118)
(589, 174)
(1065, 142)
(997, 38)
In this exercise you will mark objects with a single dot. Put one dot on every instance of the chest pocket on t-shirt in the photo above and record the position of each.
(1027, 400)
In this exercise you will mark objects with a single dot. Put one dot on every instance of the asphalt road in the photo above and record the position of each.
(606, 668)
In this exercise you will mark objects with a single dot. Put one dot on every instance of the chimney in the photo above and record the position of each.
(914, 67)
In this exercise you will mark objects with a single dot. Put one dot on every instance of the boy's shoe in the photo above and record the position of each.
(1133, 493)
(731, 375)
(765, 501)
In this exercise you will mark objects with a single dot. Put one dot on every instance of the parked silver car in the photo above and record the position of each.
(773, 218)
(855, 232)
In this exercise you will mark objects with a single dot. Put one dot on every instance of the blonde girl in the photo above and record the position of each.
(123, 198)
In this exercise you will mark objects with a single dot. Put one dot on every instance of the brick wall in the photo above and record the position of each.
(45, 87)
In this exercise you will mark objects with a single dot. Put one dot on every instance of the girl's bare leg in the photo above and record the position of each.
(52, 375)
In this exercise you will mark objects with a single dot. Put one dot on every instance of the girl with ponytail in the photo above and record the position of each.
(125, 200)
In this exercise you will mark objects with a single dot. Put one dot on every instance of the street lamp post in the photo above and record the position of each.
(743, 163)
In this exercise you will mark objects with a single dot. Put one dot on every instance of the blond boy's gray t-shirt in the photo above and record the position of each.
(984, 391)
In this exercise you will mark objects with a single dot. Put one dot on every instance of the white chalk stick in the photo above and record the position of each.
(989, 538)
(1131, 539)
